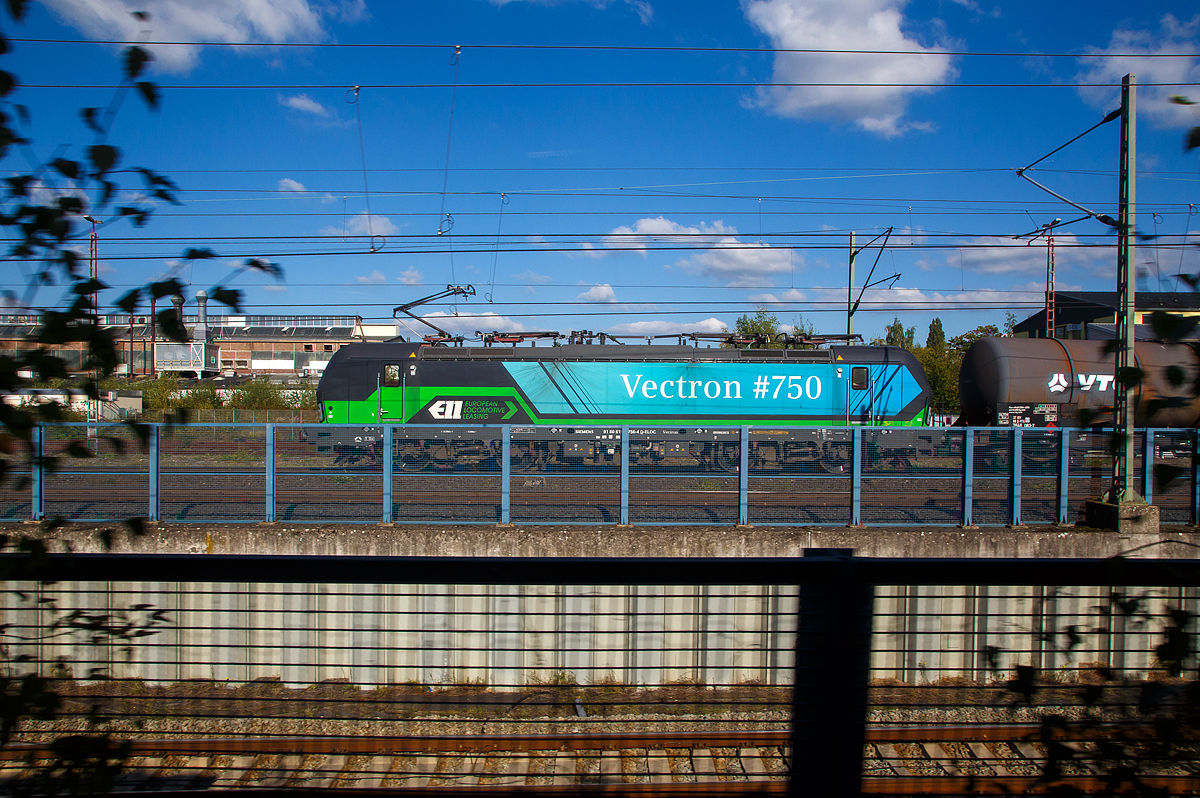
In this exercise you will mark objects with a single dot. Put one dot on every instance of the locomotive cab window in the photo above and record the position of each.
(391, 375)
(858, 378)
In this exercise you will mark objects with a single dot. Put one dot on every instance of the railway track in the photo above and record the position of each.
(942, 760)
(358, 497)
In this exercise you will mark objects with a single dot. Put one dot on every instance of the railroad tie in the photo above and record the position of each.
(658, 766)
(704, 765)
(447, 770)
(306, 771)
(752, 763)
(564, 770)
(611, 767)
(232, 771)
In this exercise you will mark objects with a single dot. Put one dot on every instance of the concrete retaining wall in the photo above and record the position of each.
(613, 541)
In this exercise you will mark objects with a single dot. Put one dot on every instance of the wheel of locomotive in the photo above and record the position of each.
(374, 455)
(996, 456)
(835, 458)
(411, 457)
(728, 456)
(355, 457)
(523, 457)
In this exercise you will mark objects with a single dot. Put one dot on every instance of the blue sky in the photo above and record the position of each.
(709, 175)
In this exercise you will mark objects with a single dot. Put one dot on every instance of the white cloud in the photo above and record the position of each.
(660, 228)
(790, 295)
(287, 184)
(236, 21)
(897, 301)
(359, 226)
(709, 325)
(971, 5)
(530, 276)
(302, 102)
(468, 323)
(644, 10)
(374, 278)
(598, 293)
(739, 262)
(846, 25)
(1172, 36)
(1003, 255)
(351, 11)
(411, 276)
(644, 232)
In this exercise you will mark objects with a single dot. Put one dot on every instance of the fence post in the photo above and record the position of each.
(388, 454)
(1148, 466)
(1014, 487)
(744, 479)
(154, 500)
(625, 475)
(1064, 474)
(1195, 514)
(37, 474)
(968, 475)
(269, 510)
(856, 478)
(829, 704)
(506, 474)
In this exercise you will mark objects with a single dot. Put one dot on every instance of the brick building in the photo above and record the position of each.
(245, 344)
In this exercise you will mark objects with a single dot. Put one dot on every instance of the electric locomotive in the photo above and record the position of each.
(567, 404)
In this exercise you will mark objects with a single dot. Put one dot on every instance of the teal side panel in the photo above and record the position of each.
(706, 389)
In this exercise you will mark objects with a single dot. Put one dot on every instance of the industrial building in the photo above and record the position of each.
(1092, 315)
(232, 345)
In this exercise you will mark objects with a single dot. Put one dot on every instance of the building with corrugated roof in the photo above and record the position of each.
(1092, 315)
(234, 345)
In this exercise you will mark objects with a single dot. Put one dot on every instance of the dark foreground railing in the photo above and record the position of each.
(504, 474)
(824, 675)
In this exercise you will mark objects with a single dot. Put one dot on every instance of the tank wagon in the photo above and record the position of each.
(570, 402)
(1048, 382)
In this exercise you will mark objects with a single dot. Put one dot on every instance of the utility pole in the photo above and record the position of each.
(1121, 508)
(93, 404)
(850, 292)
(1123, 424)
(1049, 281)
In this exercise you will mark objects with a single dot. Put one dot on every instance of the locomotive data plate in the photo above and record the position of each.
(445, 433)
(566, 433)
(683, 433)
(1044, 414)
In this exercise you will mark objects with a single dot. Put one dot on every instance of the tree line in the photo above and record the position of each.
(940, 357)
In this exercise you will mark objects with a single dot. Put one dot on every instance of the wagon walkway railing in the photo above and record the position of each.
(504, 474)
(820, 675)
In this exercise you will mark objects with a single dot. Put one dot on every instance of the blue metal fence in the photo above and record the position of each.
(501, 474)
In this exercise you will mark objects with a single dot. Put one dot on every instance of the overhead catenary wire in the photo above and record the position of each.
(362, 151)
(488, 249)
(614, 85)
(613, 47)
(496, 253)
(445, 220)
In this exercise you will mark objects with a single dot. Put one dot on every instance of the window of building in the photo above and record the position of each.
(308, 347)
(391, 375)
(241, 364)
(328, 347)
